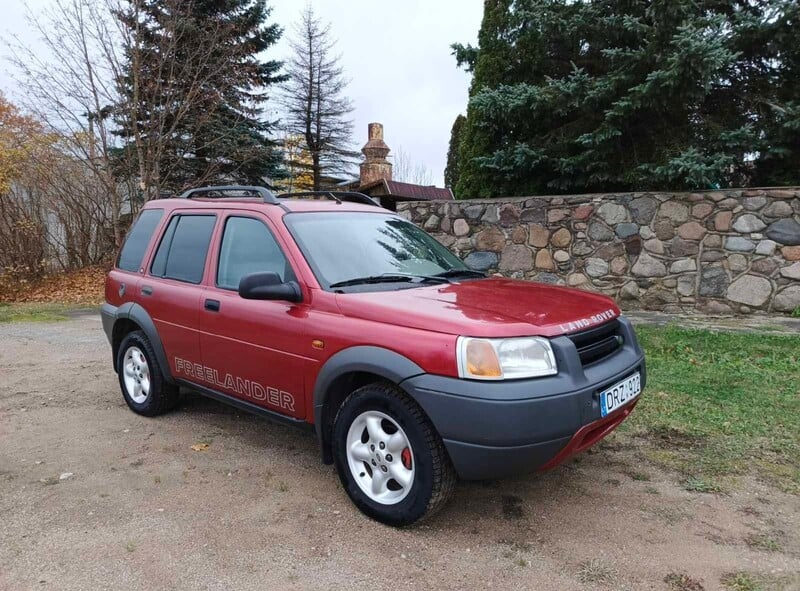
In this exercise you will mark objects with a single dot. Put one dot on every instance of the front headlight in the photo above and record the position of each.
(505, 359)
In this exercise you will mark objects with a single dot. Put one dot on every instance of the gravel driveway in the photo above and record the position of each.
(93, 496)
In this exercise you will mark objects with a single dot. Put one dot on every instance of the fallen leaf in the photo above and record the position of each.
(82, 286)
(200, 447)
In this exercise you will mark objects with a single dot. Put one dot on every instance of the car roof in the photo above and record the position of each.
(256, 204)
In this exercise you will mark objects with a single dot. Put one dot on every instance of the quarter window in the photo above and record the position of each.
(132, 253)
(183, 249)
(249, 247)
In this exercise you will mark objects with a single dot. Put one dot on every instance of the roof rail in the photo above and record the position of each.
(270, 197)
(267, 195)
(338, 196)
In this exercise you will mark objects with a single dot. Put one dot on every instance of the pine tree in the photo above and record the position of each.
(194, 92)
(610, 95)
(451, 171)
(315, 107)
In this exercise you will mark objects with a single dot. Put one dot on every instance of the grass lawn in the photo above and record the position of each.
(29, 312)
(721, 404)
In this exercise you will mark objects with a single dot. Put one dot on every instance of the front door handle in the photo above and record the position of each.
(212, 305)
(147, 290)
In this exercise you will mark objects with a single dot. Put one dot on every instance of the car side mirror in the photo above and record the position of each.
(268, 286)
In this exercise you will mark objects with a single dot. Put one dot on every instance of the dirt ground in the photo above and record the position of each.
(257, 509)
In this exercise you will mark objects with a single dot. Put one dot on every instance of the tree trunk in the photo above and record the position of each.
(317, 172)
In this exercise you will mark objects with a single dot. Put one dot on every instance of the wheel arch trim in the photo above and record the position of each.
(135, 313)
(384, 363)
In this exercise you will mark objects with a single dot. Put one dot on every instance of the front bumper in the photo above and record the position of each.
(497, 429)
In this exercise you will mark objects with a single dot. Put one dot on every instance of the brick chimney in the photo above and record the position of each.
(375, 166)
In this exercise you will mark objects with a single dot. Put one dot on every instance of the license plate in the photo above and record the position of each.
(620, 394)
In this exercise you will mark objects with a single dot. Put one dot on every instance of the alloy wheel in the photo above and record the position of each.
(136, 374)
(380, 457)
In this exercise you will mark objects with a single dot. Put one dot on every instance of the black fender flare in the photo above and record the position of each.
(384, 363)
(134, 312)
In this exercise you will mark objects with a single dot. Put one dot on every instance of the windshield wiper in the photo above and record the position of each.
(453, 273)
(389, 278)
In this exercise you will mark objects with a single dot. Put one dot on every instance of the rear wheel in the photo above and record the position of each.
(389, 457)
(141, 379)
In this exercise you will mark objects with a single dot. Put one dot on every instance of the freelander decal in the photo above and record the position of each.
(241, 386)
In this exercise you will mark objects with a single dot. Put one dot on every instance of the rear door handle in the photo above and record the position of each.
(147, 290)
(212, 305)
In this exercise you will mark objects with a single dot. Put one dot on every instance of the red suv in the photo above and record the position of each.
(335, 314)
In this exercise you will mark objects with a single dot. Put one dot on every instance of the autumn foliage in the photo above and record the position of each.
(82, 286)
(17, 134)
(23, 247)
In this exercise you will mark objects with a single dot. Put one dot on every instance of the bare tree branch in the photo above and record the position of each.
(404, 170)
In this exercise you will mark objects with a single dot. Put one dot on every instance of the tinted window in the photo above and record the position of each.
(160, 260)
(183, 249)
(249, 247)
(130, 257)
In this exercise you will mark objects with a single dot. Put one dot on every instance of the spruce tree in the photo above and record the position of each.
(491, 65)
(194, 92)
(775, 59)
(609, 95)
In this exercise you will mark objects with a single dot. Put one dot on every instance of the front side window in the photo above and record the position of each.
(249, 247)
(346, 247)
(132, 253)
(183, 249)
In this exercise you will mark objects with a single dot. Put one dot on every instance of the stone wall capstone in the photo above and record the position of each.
(718, 252)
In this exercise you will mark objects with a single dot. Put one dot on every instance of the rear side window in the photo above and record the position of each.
(183, 249)
(249, 247)
(132, 253)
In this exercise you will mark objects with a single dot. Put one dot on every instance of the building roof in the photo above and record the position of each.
(408, 191)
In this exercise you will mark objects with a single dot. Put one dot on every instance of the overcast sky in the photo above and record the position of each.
(396, 54)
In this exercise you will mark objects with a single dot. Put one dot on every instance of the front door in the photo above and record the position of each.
(252, 347)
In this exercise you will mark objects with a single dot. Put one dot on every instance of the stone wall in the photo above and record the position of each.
(727, 251)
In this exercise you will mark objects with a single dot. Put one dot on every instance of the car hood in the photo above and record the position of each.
(492, 307)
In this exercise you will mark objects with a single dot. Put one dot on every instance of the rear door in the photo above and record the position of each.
(172, 288)
(253, 347)
(122, 282)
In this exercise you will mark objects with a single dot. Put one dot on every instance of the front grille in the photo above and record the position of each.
(597, 343)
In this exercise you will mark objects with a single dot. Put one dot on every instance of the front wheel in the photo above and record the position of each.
(389, 457)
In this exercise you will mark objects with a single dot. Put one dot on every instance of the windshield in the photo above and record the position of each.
(345, 247)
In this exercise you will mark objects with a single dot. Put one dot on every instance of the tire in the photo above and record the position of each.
(425, 475)
(137, 364)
